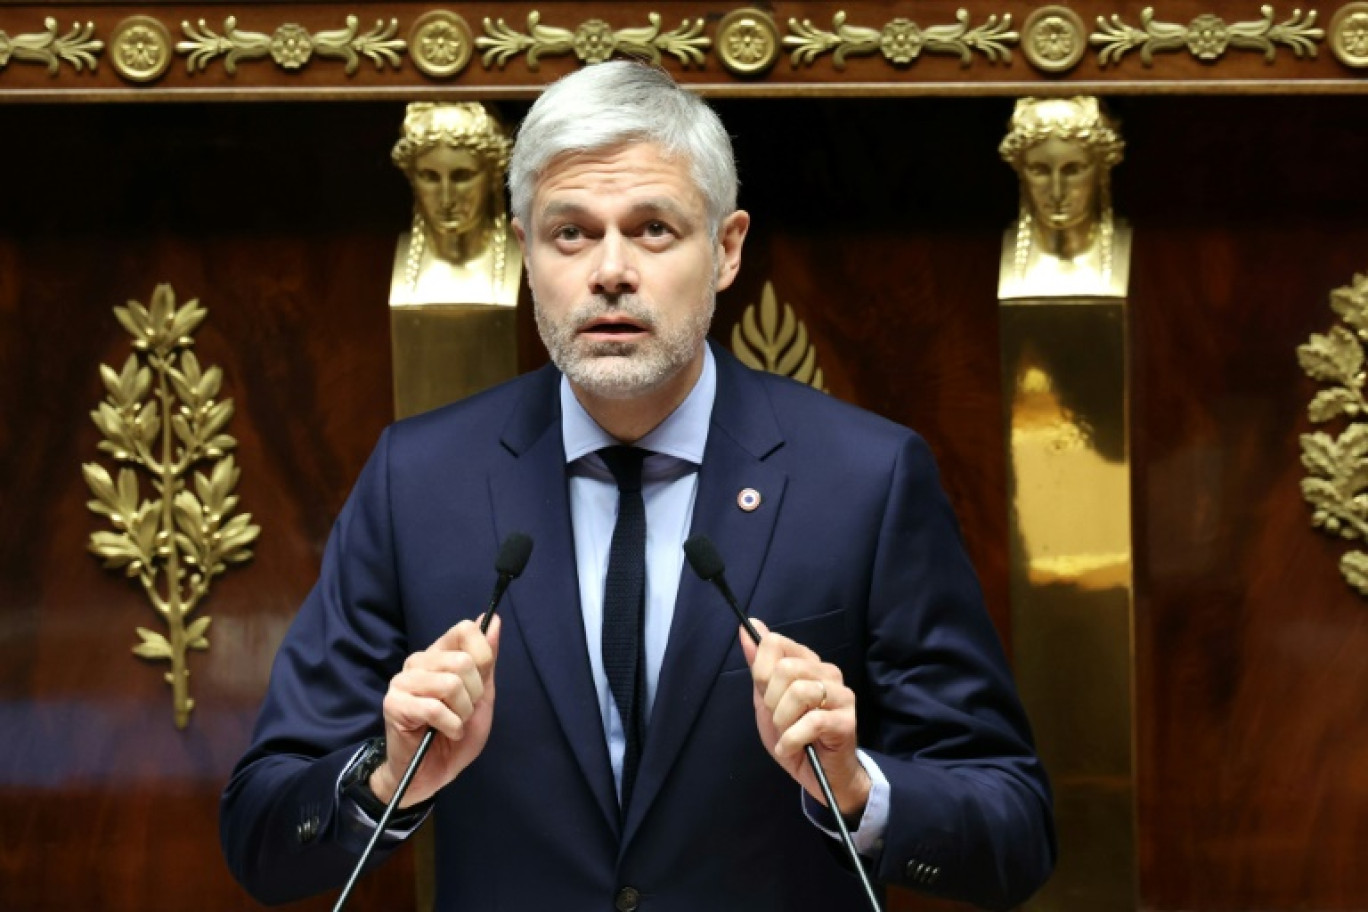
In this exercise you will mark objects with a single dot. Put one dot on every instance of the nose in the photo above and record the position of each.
(1056, 184)
(616, 271)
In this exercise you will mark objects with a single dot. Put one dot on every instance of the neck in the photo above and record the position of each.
(1065, 243)
(464, 247)
(632, 418)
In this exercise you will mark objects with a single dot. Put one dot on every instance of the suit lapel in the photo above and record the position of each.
(529, 495)
(742, 434)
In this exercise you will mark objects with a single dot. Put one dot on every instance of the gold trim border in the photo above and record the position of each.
(899, 41)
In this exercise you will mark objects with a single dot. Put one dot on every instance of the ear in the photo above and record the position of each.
(521, 234)
(730, 239)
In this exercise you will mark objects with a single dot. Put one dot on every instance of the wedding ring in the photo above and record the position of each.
(822, 703)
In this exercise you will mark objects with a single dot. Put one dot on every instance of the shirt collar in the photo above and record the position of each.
(683, 434)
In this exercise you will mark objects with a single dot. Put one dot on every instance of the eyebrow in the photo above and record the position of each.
(653, 205)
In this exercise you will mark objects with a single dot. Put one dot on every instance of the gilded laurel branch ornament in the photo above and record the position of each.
(901, 41)
(1206, 37)
(76, 47)
(593, 41)
(1336, 486)
(291, 45)
(160, 418)
(780, 346)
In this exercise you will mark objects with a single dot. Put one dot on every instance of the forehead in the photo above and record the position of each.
(1056, 149)
(448, 158)
(627, 173)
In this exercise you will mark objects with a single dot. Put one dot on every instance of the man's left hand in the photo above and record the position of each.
(801, 700)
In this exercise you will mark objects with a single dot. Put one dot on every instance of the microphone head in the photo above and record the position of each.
(703, 558)
(513, 555)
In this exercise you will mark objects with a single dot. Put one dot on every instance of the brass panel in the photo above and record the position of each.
(447, 352)
(1071, 582)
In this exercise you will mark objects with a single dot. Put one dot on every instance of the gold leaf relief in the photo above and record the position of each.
(1336, 485)
(774, 341)
(160, 418)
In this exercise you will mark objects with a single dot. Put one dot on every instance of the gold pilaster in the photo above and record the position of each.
(1072, 584)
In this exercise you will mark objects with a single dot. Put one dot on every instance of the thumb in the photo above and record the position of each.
(748, 646)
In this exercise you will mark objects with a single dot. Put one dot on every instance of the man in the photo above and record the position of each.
(836, 535)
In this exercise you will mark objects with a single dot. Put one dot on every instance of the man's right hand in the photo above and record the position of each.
(448, 687)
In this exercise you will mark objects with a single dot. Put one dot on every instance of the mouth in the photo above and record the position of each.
(614, 328)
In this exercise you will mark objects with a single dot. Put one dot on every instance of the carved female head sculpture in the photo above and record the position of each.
(1063, 150)
(455, 157)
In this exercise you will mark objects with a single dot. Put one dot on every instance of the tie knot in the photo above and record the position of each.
(625, 464)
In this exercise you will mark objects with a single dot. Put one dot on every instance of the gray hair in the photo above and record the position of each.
(621, 101)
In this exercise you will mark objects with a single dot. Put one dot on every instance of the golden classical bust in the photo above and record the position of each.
(460, 249)
(1066, 241)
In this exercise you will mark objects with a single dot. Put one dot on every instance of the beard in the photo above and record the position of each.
(623, 370)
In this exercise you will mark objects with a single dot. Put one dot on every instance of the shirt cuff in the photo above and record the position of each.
(868, 833)
(402, 822)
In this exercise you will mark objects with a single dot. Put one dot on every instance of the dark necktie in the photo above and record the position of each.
(624, 607)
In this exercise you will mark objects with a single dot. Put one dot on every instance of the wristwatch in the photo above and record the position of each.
(356, 780)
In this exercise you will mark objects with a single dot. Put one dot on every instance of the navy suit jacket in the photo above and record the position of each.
(853, 551)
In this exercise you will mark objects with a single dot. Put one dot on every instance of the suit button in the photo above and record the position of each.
(307, 829)
(627, 900)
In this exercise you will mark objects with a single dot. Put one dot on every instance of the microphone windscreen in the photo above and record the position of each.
(703, 557)
(513, 555)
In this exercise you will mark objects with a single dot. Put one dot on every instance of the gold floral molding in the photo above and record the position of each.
(901, 41)
(593, 41)
(1349, 34)
(77, 47)
(1336, 485)
(291, 46)
(779, 346)
(748, 42)
(160, 416)
(1207, 37)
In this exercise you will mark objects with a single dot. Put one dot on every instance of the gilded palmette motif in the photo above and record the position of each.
(76, 47)
(1336, 485)
(160, 418)
(901, 41)
(291, 46)
(592, 41)
(777, 345)
(1207, 37)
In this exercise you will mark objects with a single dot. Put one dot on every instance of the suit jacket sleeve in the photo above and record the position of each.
(970, 809)
(283, 833)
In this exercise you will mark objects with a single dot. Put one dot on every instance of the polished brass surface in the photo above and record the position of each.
(901, 41)
(1053, 39)
(441, 44)
(160, 416)
(444, 353)
(1349, 34)
(1071, 582)
(780, 346)
(140, 49)
(461, 249)
(1336, 485)
(592, 41)
(748, 41)
(1066, 241)
(291, 45)
(77, 47)
(1207, 37)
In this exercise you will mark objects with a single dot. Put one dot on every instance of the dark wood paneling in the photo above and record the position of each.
(1251, 670)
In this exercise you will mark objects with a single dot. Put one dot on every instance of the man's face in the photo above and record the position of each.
(452, 189)
(1061, 181)
(622, 269)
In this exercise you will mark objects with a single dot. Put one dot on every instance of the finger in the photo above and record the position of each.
(405, 712)
(829, 729)
(801, 698)
(787, 671)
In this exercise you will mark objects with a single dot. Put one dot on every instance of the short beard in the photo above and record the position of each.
(623, 370)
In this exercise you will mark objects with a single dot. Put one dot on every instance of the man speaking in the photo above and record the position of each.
(613, 740)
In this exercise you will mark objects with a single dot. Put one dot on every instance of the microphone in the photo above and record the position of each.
(707, 563)
(509, 564)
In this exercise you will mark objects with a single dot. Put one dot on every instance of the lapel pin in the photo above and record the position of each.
(748, 499)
